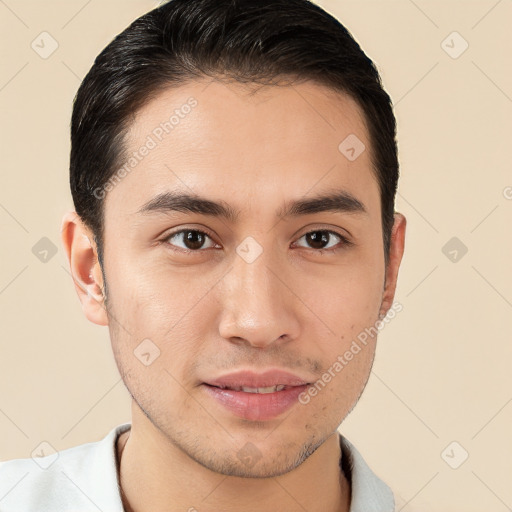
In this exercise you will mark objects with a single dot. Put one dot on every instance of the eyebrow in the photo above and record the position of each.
(339, 201)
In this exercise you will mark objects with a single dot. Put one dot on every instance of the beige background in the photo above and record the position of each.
(442, 371)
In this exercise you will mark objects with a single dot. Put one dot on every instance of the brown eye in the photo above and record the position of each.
(317, 239)
(190, 239)
(323, 239)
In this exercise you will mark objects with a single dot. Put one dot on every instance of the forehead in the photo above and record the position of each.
(244, 143)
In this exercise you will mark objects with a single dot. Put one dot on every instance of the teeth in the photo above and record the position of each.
(269, 389)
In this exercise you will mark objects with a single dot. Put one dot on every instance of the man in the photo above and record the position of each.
(233, 170)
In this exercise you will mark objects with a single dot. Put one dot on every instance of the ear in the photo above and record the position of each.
(396, 251)
(81, 253)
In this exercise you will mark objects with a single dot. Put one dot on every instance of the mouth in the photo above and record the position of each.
(256, 397)
(262, 390)
(253, 382)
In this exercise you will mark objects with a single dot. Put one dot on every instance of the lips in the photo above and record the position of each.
(262, 390)
(254, 396)
(270, 378)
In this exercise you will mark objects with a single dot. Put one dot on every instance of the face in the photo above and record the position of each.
(249, 281)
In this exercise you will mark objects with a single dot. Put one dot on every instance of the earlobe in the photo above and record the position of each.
(396, 252)
(84, 266)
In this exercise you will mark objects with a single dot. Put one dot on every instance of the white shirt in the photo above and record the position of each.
(85, 478)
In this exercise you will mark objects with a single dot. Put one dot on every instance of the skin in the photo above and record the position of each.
(210, 312)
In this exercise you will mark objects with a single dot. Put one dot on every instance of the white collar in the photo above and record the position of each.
(84, 478)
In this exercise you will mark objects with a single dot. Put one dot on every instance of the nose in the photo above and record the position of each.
(258, 307)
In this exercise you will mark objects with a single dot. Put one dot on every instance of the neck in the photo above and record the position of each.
(156, 475)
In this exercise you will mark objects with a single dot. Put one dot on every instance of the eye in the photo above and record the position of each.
(190, 240)
(322, 239)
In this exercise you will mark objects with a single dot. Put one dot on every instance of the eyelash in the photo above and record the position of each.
(343, 240)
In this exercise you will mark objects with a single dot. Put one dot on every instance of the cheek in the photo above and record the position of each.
(156, 359)
(347, 298)
(151, 295)
(342, 381)
(348, 303)
(165, 314)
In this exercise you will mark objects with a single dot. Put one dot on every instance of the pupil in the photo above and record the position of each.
(194, 239)
(317, 239)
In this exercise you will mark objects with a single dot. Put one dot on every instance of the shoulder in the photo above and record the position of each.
(369, 492)
(77, 479)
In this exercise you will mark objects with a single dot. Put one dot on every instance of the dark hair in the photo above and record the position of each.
(250, 41)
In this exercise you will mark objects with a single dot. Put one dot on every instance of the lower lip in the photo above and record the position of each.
(256, 406)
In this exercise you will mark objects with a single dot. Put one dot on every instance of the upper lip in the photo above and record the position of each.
(257, 380)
